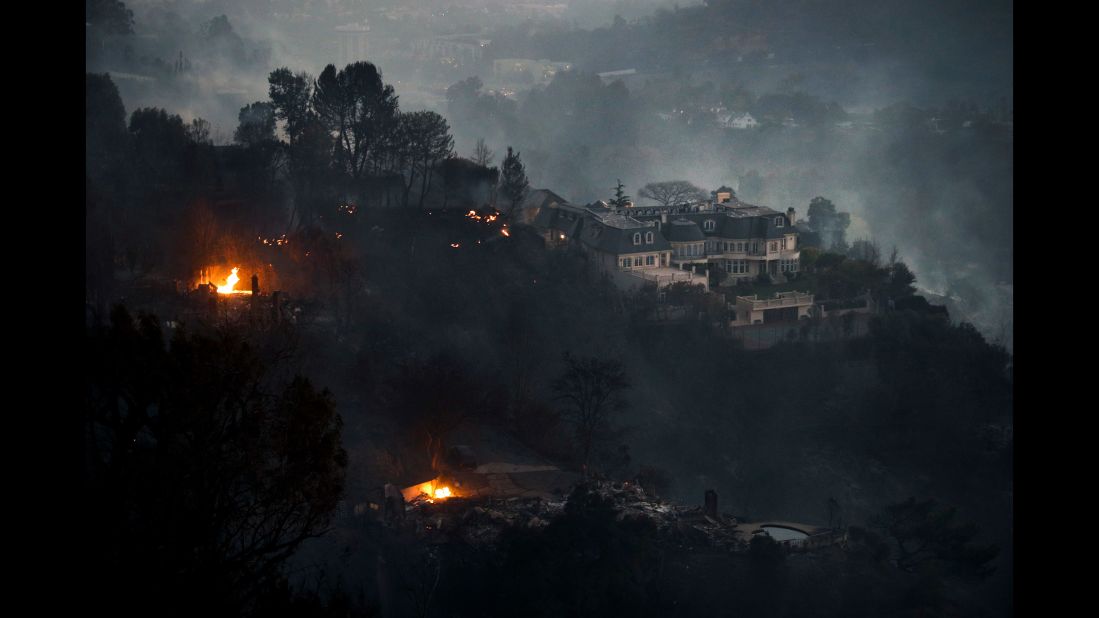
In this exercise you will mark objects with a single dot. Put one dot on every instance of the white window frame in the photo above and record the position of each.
(648, 238)
(637, 238)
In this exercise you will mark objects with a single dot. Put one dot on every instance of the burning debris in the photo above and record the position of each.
(274, 242)
(486, 218)
(229, 287)
(436, 513)
(230, 284)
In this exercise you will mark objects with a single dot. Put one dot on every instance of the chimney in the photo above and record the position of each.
(791, 214)
(664, 217)
(710, 507)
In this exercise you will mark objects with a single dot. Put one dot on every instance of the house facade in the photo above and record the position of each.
(743, 240)
(630, 251)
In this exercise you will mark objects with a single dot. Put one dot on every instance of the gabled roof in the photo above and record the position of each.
(562, 217)
(539, 198)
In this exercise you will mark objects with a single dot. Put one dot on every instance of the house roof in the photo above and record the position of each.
(619, 238)
(562, 217)
(541, 197)
(683, 230)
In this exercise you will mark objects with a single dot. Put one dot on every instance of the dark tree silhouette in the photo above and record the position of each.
(361, 111)
(290, 94)
(109, 16)
(513, 180)
(671, 192)
(482, 154)
(830, 224)
(427, 140)
(257, 124)
(203, 471)
(105, 136)
(160, 141)
(621, 200)
(591, 391)
(924, 531)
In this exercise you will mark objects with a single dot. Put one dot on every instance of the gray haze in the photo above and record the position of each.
(900, 112)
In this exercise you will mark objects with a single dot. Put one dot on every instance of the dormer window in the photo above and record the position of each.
(648, 238)
(778, 221)
(709, 225)
(637, 238)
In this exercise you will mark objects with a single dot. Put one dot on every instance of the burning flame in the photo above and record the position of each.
(431, 491)
(482, 218)
(230, 282)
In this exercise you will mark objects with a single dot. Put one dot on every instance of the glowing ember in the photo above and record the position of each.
(505, 232)
(455, 245)
(230, 282)
(482, 218)
(280, 241)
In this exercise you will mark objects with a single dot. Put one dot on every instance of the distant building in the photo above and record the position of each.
(520, 69)
(743, 121)
(453, 49)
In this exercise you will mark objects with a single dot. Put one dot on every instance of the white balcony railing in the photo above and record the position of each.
(782, 299)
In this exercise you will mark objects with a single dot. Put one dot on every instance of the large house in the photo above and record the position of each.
(666, 244)
(745, 241)
(623, 247)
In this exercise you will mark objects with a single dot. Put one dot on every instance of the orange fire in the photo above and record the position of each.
(433, 490)
(482, 218)
(230, 282)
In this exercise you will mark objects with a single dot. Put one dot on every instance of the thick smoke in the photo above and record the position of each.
(898, 112)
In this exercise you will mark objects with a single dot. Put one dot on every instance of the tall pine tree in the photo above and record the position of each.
(513, 182)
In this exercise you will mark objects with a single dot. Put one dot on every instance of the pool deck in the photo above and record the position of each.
(746, 530)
